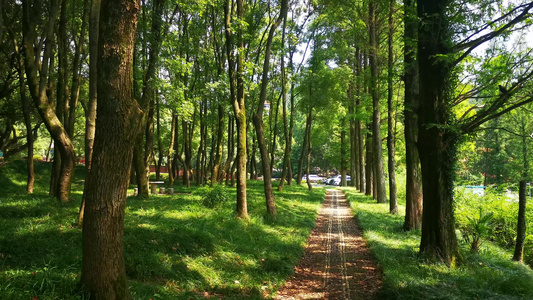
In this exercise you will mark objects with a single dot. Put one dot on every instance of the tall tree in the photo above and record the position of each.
(37, 66)
(439, 132)
(377, 150)
(258, 116)
(90, 105)
(413, 183)
(103, 270)
(143, 150)
(391, 135)
(236, 77)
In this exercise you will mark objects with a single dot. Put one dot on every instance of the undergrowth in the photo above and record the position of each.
(490, 274)
(175, 247)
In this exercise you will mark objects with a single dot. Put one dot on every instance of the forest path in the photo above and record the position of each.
(337, 263)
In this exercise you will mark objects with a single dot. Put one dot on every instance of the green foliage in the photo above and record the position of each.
(488, 275)
(501, 227)
(213, 196)
(175, 248)
(477, 228)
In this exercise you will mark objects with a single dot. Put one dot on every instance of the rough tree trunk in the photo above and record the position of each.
(237, 97)
(521, 224)
(391, 139)
(377, 151)
(103, 270)
(38, 86)
(413, 194)
(437, 140)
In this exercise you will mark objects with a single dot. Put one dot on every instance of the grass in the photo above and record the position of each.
(489, 275)
(175, 248)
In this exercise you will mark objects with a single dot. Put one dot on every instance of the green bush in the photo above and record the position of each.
(502, 224)
(213, 196)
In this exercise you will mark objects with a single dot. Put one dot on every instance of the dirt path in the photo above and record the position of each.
(337, 263)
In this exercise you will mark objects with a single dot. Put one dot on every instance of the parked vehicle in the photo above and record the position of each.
(313, 178)
(336, 180)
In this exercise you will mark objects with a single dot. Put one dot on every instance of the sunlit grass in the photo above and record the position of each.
(489, 275)
(175, 248)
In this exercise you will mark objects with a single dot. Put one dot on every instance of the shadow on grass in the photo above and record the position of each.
(491, 276)
(173, 246)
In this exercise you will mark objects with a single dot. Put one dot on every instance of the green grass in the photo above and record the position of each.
(175, 248)
(489, 275)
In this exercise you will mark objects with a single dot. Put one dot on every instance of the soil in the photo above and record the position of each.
(337, 263)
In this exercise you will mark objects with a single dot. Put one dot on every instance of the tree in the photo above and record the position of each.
(413, 182)
(90, 106)
(439, 132)
(38, 83)
(143, 151)
(258, 116)
(377, 150)
(237, 97)
(391, 135)
(103, 271)
(521, 224)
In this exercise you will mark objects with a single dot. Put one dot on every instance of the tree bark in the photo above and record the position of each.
(258, 116)
(90, 107)
(288, 142)
(142, 157)
(358, 129)
(103, 270)
(377, 151)
(521, 224)
(237, 96)
(38, 90)
(309, 148)
(302, 154)
(343, 152)
(413, 194)
(159, 143)
(170, 161)
(26, 108)
(369, 164)
(391, 139)
(437, 140)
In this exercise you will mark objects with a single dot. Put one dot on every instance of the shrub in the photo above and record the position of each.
(213, 196)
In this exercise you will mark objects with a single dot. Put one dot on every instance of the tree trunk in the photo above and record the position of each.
(231, 149)
(358, 129)
(70, 110)
(217, 163)
(237, 96)
(171, 151)
(38, 88)
(369, 164)
(521, 224)
(159, 143)
(391, 139)
(413, 194)
(288, 142)
(309, 149)
(343, 152)
(103, 270)
(354, 171)
(437, 140)
(302, 154)
(26, 108)
(377, 151)
(90, 111)
(258, 116)
(143, 159)
(291, 133)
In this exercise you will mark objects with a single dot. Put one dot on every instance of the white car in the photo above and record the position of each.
(337, 180)
(313, 178)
